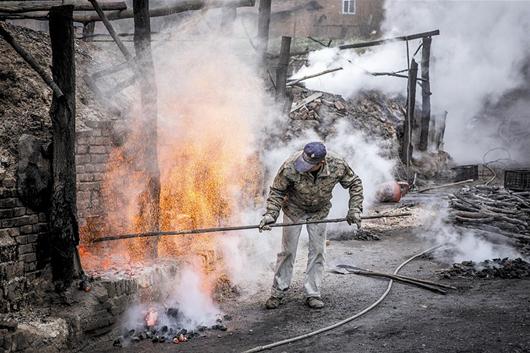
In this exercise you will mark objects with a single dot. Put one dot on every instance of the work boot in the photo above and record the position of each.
(314, 303)
(272, 303)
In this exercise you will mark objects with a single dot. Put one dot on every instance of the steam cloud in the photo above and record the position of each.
(479, 57)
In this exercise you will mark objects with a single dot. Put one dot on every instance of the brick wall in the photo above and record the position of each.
(92, 153)
(22, 248)
(23, 231)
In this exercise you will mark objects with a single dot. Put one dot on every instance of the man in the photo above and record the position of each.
(302, 189)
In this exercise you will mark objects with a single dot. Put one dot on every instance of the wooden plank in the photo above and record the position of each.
(181, 6)
(264, 19)
(425, 94)
(306, 101)
(406, 147)
(150, 203)
(295, 81)
(64, 232)
(281, 70)
(30, 6)
(390, 40)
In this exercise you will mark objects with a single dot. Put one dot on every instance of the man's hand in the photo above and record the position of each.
(265, 222)
(354, 216)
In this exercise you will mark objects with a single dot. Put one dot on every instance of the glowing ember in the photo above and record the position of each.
(151, 317)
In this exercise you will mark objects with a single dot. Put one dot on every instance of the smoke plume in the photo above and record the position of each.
(477, 60)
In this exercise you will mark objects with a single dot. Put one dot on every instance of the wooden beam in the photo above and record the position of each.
(296, 81)
(406, 147)
(64, 235)
(264, 19)
(112, 32)
(150, 202)
(30, 6)
(390, 40)
(425, 94)
(181, 6)
(283, 66)
(31, 61)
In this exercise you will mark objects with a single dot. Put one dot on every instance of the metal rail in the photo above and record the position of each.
(227, 229)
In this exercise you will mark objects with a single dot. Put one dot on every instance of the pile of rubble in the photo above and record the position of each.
(493, 209)
(371, 112)
(496, 268)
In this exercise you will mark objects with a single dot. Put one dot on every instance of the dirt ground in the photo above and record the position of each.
(482, 315)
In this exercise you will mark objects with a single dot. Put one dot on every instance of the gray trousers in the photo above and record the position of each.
(315, 260)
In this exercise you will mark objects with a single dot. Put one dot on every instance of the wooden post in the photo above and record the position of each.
(148, 92)
(425, 94)
(64, 235)
(281, 70)
(406, 147)
(264, 18)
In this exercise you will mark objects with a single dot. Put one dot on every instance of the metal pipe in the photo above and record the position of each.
(226, 229)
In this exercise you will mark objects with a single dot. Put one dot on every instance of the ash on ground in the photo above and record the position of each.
(497, 268)
(361, 234)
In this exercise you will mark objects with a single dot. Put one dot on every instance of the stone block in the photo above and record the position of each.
(85, 177)
(100, 168)
(19, 211)
(40, 227)
(21, 239)
(99, 158)
(102, 140)
(27, 229)
(9, 202)
(82, 159)
(31, 257)
(97, 150)
(32, 238)
(26, 249)
(7, 213)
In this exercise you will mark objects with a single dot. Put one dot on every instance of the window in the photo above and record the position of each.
(348, 7)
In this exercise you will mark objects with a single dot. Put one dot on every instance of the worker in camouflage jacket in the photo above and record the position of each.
(303, 188)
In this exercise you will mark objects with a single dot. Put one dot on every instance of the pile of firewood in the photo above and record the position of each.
(494, 209)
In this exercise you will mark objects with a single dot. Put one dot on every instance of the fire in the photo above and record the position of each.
(151, 317)
(209, 171)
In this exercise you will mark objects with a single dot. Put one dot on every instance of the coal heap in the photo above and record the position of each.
(497, 268)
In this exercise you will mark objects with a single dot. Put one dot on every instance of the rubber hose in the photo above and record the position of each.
(351, 318)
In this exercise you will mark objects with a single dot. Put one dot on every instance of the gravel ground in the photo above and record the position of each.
(480, 316)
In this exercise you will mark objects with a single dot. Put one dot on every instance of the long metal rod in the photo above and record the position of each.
(227, 229)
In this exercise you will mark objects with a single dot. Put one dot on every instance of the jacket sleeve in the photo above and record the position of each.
(353, 183)
(277, 193)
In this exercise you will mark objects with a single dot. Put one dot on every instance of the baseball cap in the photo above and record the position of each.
(314, 153)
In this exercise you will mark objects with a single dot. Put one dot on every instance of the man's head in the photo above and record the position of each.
(312, 157)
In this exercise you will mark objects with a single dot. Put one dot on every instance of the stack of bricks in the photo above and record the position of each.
(92, 153)
(22, 230)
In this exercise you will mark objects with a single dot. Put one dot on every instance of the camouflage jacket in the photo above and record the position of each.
(303, 195)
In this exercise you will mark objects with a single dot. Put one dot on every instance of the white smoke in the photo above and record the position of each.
(183, 302)
(463, 244)
(477, 58)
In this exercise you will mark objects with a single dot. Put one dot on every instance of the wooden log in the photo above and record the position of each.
(64, 235)
(264, 18)
(283, 66)
(325, 72)
(406, 146)
(425, 94)
(111, 30)
(30, 6)
(31, 61)
(181, 6)
(148, 94)
(390, 40)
